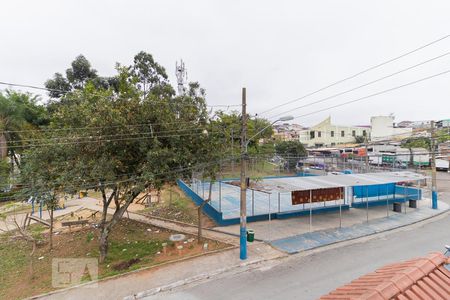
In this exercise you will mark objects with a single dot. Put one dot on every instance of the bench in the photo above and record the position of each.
(37, 219)
(74, 223)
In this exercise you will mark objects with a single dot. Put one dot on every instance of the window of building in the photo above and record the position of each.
(333, 144)
(319, 133)
(311, 134)
(353, 132)
(364, 133)
(342, 133)
(332, 133)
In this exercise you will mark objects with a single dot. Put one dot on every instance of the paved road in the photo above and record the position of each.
(314, 275)
(311, 276)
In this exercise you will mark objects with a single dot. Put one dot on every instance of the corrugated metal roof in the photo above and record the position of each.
(289, 184)
(420, 278)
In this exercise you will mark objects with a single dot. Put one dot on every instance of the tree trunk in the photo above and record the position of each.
(51, 226)
(103, 241)
(31, 259)
(3, 146)
(106, 226)
(16, 160)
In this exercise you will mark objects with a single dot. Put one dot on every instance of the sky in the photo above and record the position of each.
(279, 50)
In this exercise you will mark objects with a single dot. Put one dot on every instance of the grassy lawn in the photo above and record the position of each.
(133, 245)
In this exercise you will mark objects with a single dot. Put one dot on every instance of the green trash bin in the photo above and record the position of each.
(250, 235)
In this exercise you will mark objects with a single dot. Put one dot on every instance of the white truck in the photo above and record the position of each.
(442, 164)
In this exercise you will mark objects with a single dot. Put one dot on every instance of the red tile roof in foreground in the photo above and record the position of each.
(421, 278)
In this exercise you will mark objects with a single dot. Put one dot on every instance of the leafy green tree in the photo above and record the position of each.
(231, 124)
(360, 139)
(149, 74)
(416, 142)
(443, 135)
(290, 151)
(20, 114)
(42, 180)
(4, 174)
(77, 76)
(126, 142)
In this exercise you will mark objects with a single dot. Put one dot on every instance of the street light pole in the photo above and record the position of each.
(243, 179)
(434, 196)
(243, 214)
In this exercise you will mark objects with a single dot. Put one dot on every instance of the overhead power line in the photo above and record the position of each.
(356, 74)
(109, 140)
(30, 87)
(363, 85)
(101, 127)
(193, 130)
(56, 90)
(375, 94)
(94, 183)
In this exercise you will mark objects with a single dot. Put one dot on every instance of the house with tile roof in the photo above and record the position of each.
(426, 278)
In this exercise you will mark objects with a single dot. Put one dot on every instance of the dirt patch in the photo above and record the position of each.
(171, 203)
(126, 264)
(174, 205)
(132, 245)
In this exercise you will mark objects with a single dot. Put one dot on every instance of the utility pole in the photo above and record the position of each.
(367, 153)
(243, 227)
(434, 196)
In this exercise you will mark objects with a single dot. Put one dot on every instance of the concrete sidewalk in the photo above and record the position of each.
(147, 282)
(311, 240)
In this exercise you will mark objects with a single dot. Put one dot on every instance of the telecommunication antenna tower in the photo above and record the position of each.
(181, 73)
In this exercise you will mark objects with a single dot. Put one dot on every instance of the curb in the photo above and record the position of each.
(194, 279)
(362, 236)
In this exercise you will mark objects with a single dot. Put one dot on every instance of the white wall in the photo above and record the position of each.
(383, 129)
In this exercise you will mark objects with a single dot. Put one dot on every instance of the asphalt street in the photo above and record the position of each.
(309, 277)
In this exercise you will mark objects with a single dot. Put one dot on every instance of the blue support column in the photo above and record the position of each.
(434, 199)
(243, 243)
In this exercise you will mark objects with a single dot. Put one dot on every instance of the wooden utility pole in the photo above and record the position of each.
(434, 197)
(243, 214)
(367, 153)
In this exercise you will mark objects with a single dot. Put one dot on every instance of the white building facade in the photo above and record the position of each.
(383, 129)
(326, 134)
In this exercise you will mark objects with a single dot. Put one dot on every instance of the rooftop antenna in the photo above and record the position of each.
(181, 73)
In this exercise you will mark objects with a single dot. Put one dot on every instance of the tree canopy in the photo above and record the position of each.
(20, 114)
(290, 151)
(123, 134)
(419, 142)
(121, 140)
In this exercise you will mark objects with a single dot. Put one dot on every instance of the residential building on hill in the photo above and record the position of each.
(327, 134)
(383, 129)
